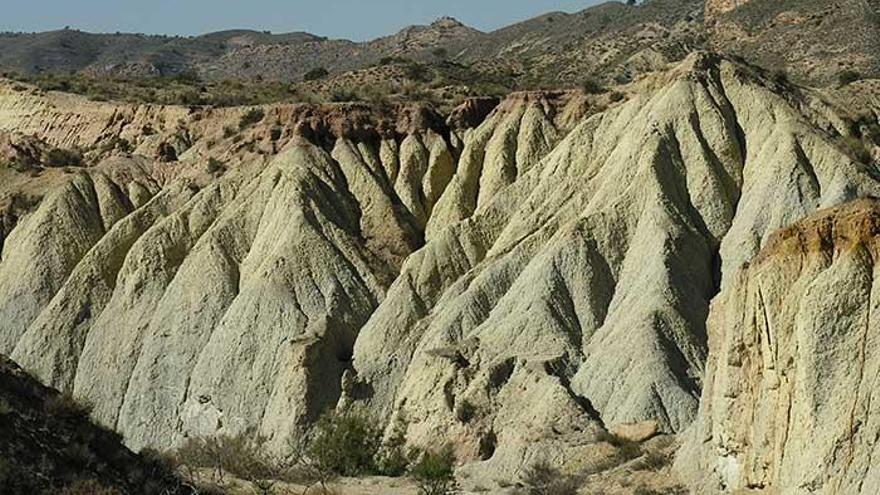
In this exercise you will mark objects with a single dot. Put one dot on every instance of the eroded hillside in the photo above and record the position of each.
(515, 278)
(792, 368)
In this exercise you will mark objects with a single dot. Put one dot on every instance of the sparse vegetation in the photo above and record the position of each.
(117, 143)
(5, 408)
(316, 74)
(466, 411)
(591, 86)
(242, 456)
(214, 165)
(848, 77)
(780, 76)
(434, 472)
(543, 479)
(628, 449)
(229, 131)
(392, 457)
(59, 157)
(253, 116)
(653, 461)
(66, 406)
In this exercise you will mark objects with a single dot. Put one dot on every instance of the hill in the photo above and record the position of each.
(49, 445)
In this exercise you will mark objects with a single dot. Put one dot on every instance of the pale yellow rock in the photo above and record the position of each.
(787, 404)
(636, 432)
(595, 267)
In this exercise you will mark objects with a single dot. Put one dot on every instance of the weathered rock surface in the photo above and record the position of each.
(580, 286)
(513, 287)
(788, 400)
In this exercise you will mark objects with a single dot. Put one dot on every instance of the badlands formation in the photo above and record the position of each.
(694, 250)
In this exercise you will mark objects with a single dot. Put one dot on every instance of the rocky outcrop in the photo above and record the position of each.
(717, 7)
(787, 405)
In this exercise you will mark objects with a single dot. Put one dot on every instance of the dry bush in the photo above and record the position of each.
(59, 157)
(66, 406)
(543, 479)
(434, 473)
(89, 487)
(242, 456)
(627, 449)
(253, 116)
(653, 461)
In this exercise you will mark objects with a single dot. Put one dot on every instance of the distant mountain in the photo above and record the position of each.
(813, 39)
(609, 42)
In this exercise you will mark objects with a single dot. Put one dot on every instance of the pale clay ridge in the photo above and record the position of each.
(793, 366)
(565, 282)
(591, 275)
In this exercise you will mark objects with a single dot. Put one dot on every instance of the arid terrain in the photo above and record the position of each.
(654, 274)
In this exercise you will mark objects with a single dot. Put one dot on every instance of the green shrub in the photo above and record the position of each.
(253, 116)
(344, 95)
(466, 411)
(392, 457)
(591, 86)
(434, 473)
(543, 479)
(615, 96)
(59, 157)
(214, 165)
(15, 479)
(5, 408)
(417, 72)
(316, 73)
(780, 76)
(344, 444)
(847, 77)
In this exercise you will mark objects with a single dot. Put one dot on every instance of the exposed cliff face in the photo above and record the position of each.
(511, 282)
(583, 286)
(256, 280)
(787, 405)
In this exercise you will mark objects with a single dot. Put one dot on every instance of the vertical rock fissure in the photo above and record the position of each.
(863, 349)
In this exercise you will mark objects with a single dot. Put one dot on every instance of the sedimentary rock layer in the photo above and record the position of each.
(792, 372)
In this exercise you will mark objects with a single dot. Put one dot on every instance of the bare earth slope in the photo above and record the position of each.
(47, 443)
(513, 281)
(787, 405)
(581, 290)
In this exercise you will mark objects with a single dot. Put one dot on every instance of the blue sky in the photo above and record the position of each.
(352, 19)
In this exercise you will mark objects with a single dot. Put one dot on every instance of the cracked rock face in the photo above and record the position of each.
(792, 372)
